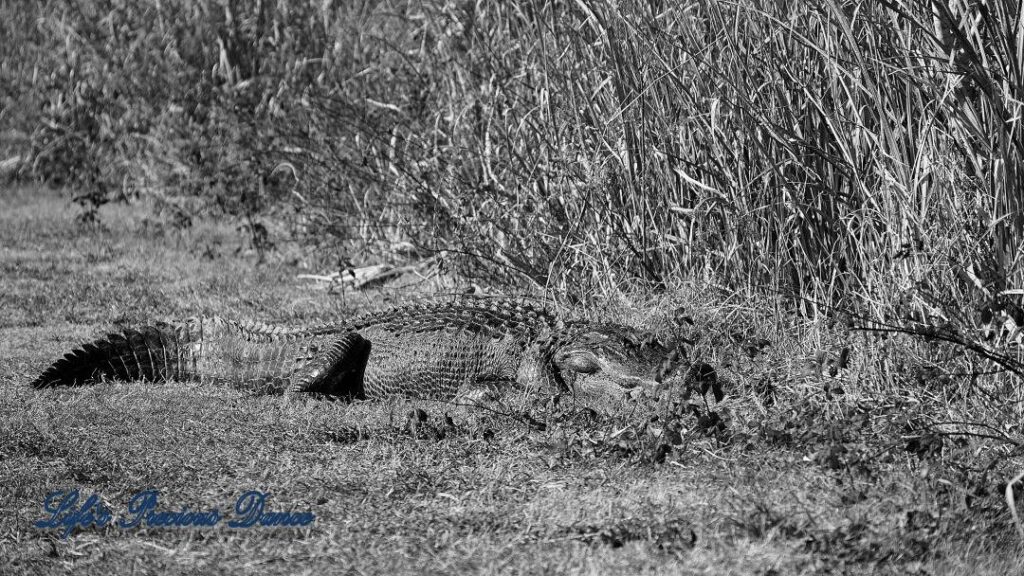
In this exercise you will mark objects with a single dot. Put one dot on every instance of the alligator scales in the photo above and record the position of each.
(439, 351)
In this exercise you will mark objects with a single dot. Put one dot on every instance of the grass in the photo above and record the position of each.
(846, 152)
(812, 473)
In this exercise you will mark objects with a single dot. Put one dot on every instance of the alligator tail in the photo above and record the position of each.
(154, 353)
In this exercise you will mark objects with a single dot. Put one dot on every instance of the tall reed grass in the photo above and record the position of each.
(831, 151)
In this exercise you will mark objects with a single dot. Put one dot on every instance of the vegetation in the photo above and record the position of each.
(782, 171)
(837, 151)
(890, 461)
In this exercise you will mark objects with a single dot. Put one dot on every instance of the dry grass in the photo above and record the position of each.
(812, 473)
(840, 151)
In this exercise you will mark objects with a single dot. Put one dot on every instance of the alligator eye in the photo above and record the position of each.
(595, 337)
(582, 362)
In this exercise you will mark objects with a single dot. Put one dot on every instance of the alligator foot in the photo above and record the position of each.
(338, 371)
(477, 397)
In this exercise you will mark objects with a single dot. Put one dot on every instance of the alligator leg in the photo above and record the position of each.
(337, 371)
(497, 394)
(479, 397)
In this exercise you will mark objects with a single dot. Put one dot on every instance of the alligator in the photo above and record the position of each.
(465, 349)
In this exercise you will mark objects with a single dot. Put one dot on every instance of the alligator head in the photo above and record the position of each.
(608, 361)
